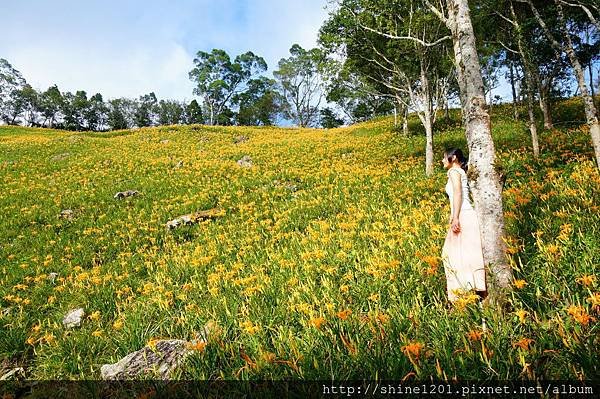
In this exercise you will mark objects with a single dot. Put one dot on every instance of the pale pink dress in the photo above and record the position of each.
(462, 254)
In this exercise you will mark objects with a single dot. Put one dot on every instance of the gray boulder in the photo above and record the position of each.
(73, 318)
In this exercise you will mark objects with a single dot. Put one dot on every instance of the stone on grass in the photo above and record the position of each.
(66, 214)
(195, 217)
(245, 161)
(12, 374)
(124, 194)
(240, 139)
(160, 358)
(60, 157)
(52, 277)
(73, 318)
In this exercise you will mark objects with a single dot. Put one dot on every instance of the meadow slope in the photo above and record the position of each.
(324, 263)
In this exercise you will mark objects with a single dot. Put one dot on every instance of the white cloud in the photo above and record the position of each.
(126, 50)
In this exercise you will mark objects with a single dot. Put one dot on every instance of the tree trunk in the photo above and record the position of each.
(427, 121)
(591, 79)
(483, 175)
(514, 92)
(405, 121)
(532, 121)
(545, 107)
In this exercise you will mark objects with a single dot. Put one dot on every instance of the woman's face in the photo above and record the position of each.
(445, 162)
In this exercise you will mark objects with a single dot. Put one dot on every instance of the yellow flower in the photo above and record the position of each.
(344, 314)
(523, 343)
(412, 349)
(48, 338)
(521, 314)
(95, 315)
(118, 324)
(97, 333)
(474, 335)
(594, 299)
(579, 314)
(519, 283)
(374, 297)
(587, 280)
(249, 327)
(317, 322)
(198, 346)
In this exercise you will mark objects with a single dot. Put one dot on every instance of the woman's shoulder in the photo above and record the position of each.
(459, 170)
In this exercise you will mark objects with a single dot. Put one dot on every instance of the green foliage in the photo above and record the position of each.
(301, 85)
(218, 79)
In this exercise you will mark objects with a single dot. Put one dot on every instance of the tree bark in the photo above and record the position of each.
(427, 121)
(591, 79)
(532, 121)
(483, 176)
(514, 92)
(545, 107)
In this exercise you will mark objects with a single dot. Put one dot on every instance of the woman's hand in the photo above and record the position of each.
(455, 225)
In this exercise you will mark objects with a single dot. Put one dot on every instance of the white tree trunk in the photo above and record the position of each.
(427, 121)
(484, 178)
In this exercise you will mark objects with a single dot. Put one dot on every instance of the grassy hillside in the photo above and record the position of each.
(324, 264)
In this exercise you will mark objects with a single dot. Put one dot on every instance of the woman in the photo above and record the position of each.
(462, 254)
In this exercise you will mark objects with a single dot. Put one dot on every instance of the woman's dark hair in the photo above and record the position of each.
(450, 152)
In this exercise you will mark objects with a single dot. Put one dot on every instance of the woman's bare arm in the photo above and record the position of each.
(456, 200)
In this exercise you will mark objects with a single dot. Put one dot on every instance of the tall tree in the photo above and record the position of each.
(193, 113)
(170, 112)
(218, 79)
(301, 85)
(119, 114)
(144, 110)
(483, 175)
(50, 105)
(11, 82)
(96, 113)
(258, 104)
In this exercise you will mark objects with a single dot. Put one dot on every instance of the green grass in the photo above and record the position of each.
(335, 279)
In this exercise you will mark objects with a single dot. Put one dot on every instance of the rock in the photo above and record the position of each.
(52, 276)
(66, 214)
(195, 217)
(73, 318)
(287, 185)
(124, 194)
(240, 139)
(245, 162)
(60, 157)
(12, 374)
(160, 358)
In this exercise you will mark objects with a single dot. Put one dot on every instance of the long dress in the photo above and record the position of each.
(462, 254)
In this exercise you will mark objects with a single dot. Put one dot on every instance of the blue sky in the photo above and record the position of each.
(129, 48)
